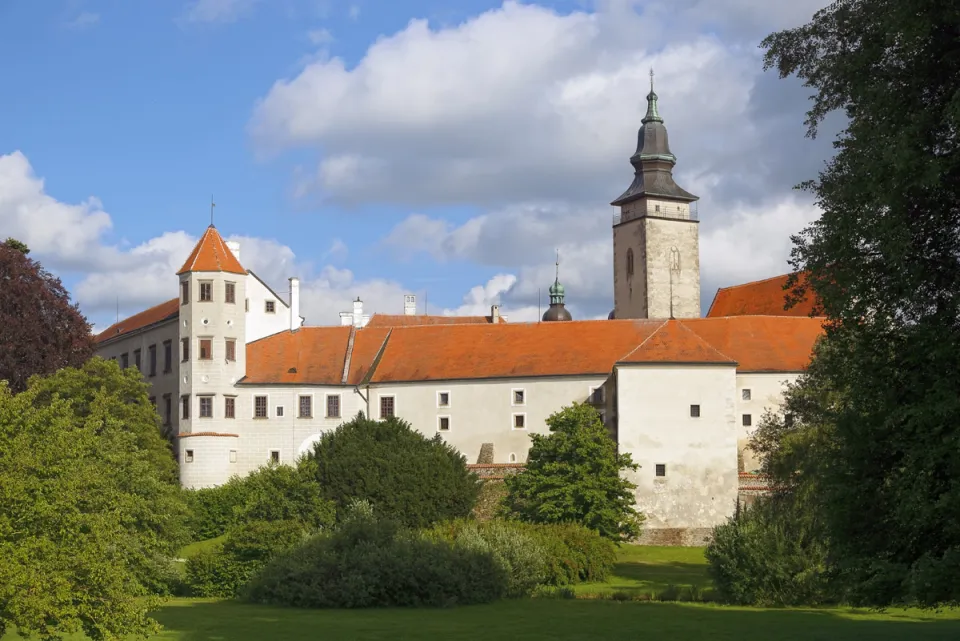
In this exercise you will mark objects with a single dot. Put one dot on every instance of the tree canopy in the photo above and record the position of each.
(573, 475)
(40, 330)
(872, 434)
(91, 513)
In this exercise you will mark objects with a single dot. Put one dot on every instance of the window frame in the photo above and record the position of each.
(206, 287)
(230, 350)
(184, 292)
(209, 402)
(168, 356)
(440, 419)
(270, 306)
(230, 292)
(184, 350)
(231, 402)
(442, 405)
(188, 456)
(273, 459)
(513, 420)
(746, 420)
(300, 398)
(152, 357)
(185, 407)
(200, 341)
(746, 394)
(326, 408)
(266, 407)
(657, 468)
(167, 409)
(695, 410)
(513, 397)
(393, 409)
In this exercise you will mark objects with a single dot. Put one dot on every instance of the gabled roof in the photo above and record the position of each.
(674, 342)
(759, 298)
(169, 310)
(762, 343)
(411, 320)
(211, 254)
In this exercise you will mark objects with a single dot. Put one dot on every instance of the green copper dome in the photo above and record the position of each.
(557, 311)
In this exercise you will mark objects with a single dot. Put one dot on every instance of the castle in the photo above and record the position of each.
(239, 381)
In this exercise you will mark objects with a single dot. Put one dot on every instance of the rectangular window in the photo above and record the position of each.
(260, 407)
(124, 360)
(386, 407)
(137, 361)
(230, 293)
(185, 406)
(519, 397)
(745, 394)
(231, 344)
(167, 409)
(596, 395)
(274, 456)
(185, 349)
(206, 291)
(206, 349)
(333, 406)
(188, 456)
(152, 355)
(233, 456)
(184, 292)
(695, 411)
(747, 420)
(443, 423)
(519, 421)
(306, 406)
(167, 357)
(229, 407)
(270, 306)
(279, 410)
(661, 469)
(246, 304)
(443, 399)
(206, 407)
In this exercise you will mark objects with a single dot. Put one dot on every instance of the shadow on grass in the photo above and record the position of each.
(540, 620)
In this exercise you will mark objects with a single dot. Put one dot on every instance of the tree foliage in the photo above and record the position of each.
(873, 435)
(90, 510)
(406, 476)
(574, 475)
(40, 330)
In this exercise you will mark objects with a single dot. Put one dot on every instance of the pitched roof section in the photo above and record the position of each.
(310, 355)
(211, 254)
(408, 320)
(760, 298)
(674, 342)
(157, 314)
(761, 343)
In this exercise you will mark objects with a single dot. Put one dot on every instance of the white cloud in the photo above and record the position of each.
(320, 36)
(217, 10)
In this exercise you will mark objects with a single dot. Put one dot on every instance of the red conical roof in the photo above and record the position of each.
(211, 254)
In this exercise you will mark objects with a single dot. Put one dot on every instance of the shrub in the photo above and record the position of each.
(767, 555)
(406, 476)
(373, 562)
(224, 569)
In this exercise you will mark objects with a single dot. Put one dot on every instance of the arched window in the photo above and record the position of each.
(629, 263)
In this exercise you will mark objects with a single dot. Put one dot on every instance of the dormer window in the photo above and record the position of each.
(270, 306)
(206, 291)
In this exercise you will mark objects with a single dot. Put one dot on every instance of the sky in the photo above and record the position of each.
(373, 148)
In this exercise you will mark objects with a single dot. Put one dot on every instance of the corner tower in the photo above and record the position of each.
(212, 345)
(656, 246)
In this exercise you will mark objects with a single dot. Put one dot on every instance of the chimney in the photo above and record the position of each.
(494, 313)
(346, 319)
(234, 248)
(409, 305)
(294, 304)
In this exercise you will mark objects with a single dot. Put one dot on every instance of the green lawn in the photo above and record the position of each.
(641, 569)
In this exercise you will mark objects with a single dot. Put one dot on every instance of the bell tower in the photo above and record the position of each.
(656, 246)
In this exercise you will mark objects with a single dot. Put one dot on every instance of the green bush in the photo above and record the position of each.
(768, 555)
(224, 569)
(374, 562)
(406, 476)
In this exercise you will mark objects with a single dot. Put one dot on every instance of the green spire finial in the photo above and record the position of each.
(556, 290)
(652, 114)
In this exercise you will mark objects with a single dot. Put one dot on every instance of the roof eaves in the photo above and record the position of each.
(138, 330)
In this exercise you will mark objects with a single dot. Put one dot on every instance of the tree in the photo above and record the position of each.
(40, 330)
(574, 475)
(91, 513)
(406, 476)
(884, 262)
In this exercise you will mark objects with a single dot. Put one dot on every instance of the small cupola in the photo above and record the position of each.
(557, 310)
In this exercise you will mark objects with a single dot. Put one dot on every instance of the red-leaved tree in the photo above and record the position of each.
(40, 330)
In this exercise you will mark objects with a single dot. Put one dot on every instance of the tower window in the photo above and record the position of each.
(185, 406)
(206, 407)
(185, 344)
(206, 349)
(230, 293)
(629, 262)
(206, 291)
(656, 209)
(745, 394)
(231, 344)
(270, 306)
(695, 411)
(279, 410)
(233, 456)
(188, 456)
(306, 406)
(184, 292)
(230, 407)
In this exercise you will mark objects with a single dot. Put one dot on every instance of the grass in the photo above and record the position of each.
(640, 569)
(196, 548)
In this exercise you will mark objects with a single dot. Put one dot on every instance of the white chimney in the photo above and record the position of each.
(494, 313)
(357, 311)
(295, 319)
(346, 319)
(234, 248)
(409, 305)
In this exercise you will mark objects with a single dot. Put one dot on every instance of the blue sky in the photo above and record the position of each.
(451, 156)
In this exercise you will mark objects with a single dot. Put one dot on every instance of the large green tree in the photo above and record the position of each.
(884, 261)
(574, 475)
(91, 513)
(40, 330)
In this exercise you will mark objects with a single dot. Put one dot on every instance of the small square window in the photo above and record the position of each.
(695, 411)
(656, 208)
(206, 349)
(443, 399)
(387, 407)
(306, 406)
(443, 423)
(519, 421)
(274, 456)
(661, 469)
(279, 410)
(260, 407)
(230, 293)
(333, 406)
(188, 456)
(206, 292)
(231, 349)
(747, 420)
(519, 397)
(745, 394)
(229, 407)
(206, 407)
(233, 456)
(270, 306)
(184, 292)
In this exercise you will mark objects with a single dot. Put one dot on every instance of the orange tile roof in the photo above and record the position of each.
(761, 343)
(156, 314)
(759, 298)
(674, 342)
(407, 320)
(211, 254)
(314, 354)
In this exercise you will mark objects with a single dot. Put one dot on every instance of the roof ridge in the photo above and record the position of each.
(644, 341)
(756, 282)
(706, 342)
